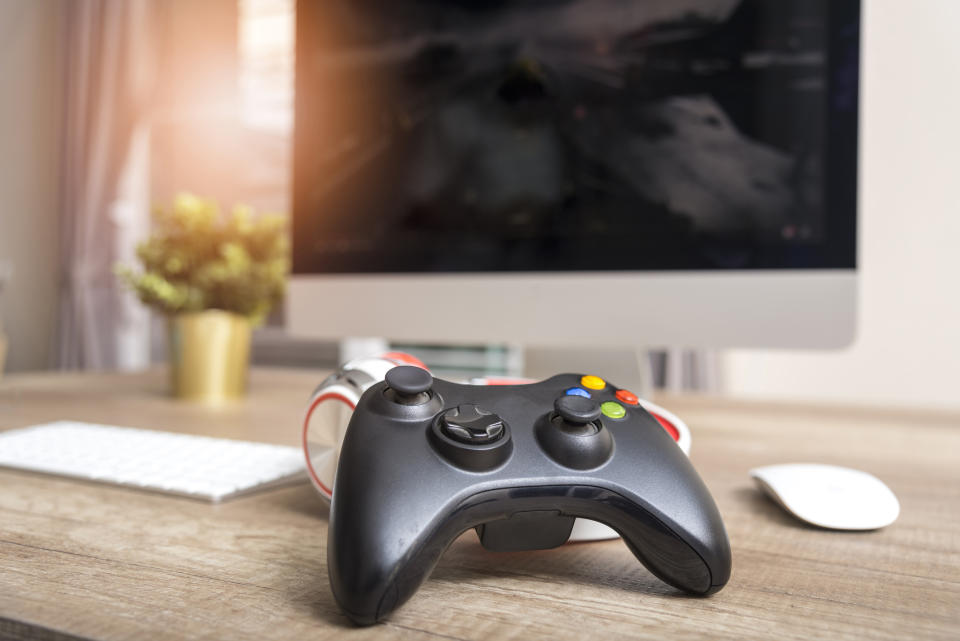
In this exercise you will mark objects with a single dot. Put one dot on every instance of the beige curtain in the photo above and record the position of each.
(105, 182)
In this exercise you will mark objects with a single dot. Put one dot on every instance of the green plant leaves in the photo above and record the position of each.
(199, 259)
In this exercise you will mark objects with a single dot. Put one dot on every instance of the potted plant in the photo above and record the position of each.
(214, 277)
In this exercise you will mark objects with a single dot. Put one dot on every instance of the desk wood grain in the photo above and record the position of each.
(95, 562)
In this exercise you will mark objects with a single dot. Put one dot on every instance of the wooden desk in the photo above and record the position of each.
(90, 561)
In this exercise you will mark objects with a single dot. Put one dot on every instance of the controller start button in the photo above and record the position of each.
(593, 382)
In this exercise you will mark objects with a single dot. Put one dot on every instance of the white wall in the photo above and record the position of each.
(908, 349)
(30, 111)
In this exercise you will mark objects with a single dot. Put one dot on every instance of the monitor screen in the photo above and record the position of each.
(575, 135)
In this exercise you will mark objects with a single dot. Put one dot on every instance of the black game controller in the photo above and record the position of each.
(424, 460)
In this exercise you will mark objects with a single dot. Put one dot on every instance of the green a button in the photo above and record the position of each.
(613, 410)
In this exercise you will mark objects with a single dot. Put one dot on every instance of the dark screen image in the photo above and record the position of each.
(560, 135)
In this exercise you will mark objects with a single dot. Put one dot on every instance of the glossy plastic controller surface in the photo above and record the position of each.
(420, 466)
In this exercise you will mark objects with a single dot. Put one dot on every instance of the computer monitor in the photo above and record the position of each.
(576, 172)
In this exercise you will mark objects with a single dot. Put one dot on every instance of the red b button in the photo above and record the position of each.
(627, 397)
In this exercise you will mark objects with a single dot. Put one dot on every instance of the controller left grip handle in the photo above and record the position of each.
(371, 579)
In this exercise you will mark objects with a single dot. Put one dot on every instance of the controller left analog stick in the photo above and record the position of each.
(408, 385)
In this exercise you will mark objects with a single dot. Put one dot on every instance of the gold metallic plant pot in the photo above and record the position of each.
(209, 355)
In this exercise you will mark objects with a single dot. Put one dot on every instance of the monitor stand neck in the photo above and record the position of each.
(627, 367)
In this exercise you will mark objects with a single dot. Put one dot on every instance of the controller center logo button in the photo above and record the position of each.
(470, 424)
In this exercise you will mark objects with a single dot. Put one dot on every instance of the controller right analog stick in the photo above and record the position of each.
(573, 434)
(577, 415)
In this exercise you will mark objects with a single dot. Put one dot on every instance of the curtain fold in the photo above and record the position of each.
(109, 75)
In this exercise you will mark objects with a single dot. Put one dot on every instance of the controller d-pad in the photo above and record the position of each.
(471, 424)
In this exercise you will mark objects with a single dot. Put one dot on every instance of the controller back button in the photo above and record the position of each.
(612, 409)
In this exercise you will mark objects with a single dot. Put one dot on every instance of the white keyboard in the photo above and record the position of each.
(200, 467)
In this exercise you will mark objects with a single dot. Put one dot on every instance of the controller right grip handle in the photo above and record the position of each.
(675, 556)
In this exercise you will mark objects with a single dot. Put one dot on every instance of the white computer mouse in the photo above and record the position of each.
(829, 496)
